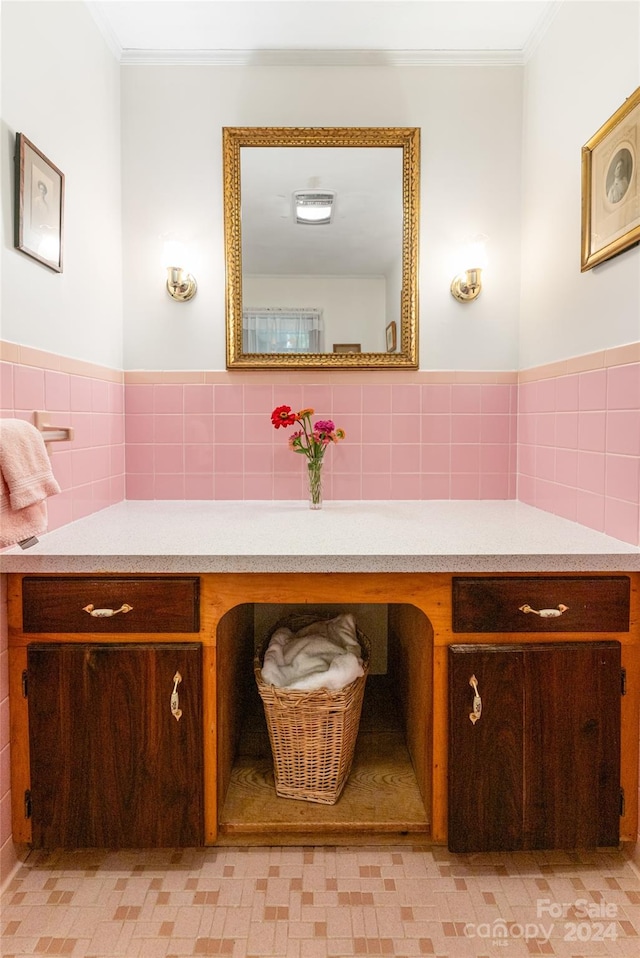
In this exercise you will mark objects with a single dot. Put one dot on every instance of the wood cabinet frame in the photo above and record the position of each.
(228, 594)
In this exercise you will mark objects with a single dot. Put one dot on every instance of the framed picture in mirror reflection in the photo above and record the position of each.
(392, 337)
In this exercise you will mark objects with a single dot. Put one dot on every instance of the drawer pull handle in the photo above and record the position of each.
(105, 613)
(546, 613)
(477, 701)
(176, 711)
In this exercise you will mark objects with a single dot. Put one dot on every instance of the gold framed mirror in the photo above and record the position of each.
(321, 246)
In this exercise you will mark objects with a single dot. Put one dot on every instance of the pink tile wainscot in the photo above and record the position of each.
(579, 448)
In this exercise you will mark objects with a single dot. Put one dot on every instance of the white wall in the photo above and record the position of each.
(61, 89)
(470, 120)
(587, 64)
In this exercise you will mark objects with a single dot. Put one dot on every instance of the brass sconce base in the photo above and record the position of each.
(180, 285)
(466, 286)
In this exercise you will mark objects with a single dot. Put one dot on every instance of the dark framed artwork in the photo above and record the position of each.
(392, 337)
(611, 186)
(39, 206)
(347, 348)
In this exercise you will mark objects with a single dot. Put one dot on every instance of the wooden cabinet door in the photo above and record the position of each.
(486, 784)
(540, 767)
(111, 766)
(572, 745)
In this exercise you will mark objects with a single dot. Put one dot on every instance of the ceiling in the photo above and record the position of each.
(322, 31)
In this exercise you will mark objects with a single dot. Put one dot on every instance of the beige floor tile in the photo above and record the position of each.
(406, 902)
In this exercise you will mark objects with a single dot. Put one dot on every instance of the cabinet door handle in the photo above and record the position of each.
(105, 613)
(176, 711)
(477, 701)
(545, 613)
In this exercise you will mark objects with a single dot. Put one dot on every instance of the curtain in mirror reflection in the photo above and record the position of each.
(281, 330)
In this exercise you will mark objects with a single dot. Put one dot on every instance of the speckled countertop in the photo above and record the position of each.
(344, 536)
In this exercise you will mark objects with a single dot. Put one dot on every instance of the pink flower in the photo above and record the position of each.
(325, 425)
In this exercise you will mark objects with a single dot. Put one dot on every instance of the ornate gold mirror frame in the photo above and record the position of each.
(406, 139)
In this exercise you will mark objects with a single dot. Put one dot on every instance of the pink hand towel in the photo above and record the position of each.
(27, 480)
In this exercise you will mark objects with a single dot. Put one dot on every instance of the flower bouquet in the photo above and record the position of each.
(310, 440)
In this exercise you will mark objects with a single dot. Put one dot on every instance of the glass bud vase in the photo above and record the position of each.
(314, 467)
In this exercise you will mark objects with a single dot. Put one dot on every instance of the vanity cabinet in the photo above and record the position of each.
(97, 756)
(115, 741)
(106, 680)
(534, 746)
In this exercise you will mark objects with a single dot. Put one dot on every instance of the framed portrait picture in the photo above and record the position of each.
(392, 337)
(611, 186)
(347, 348)
(39, 206)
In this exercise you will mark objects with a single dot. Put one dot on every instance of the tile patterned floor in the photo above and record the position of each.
(322, 903)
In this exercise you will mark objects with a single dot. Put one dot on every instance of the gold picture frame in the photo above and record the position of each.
(611, 186)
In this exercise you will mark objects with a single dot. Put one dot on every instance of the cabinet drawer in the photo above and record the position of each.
(140, 604)
(566, 604)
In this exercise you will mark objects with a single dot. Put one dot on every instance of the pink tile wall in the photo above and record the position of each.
(412, 440)
(579, 448)
(90, 468)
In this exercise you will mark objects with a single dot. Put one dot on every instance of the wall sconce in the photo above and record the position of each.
(181, 285)
(466, 286)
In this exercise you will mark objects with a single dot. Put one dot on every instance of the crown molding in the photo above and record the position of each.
(321, 58)
(104, 27)
(541, 28)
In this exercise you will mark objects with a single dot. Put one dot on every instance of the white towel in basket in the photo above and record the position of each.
(323, 655)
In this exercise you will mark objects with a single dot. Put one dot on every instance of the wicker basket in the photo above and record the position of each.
(312, 734)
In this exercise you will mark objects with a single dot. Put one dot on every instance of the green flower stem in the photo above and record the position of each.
(314, 467)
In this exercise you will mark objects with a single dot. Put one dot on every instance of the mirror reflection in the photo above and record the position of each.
(321, 246)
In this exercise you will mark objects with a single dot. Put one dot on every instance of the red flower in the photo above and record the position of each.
(283, 416)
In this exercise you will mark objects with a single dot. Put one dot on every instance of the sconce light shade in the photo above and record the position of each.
(180, 284)
(466, 286)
